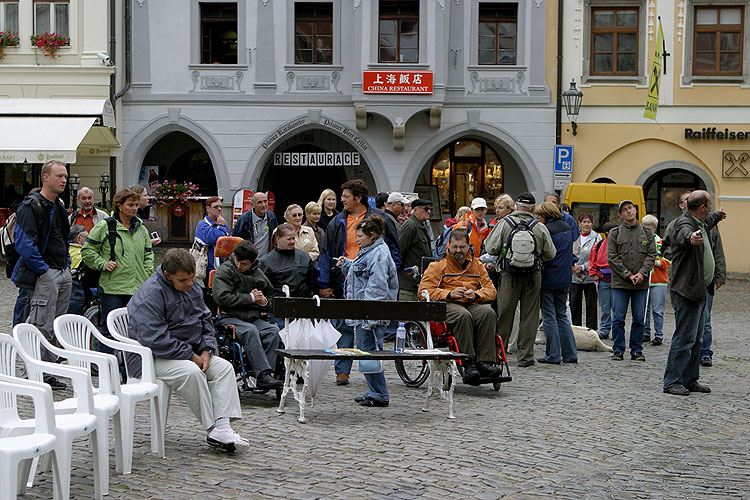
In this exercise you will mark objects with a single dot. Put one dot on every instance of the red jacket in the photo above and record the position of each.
(598, 264)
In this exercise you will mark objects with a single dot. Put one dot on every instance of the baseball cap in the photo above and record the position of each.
(622, 204)
(526, 198)
(420, 202)
(478, 203)
(396, 197)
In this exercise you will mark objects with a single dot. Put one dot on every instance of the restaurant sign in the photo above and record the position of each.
(344, 159)
(397, 82)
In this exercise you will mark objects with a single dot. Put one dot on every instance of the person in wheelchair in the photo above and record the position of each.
(462, 281)
(241, 291)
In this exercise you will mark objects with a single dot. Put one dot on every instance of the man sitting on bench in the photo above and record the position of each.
(240, 290)
(462, 281)
(167, 314)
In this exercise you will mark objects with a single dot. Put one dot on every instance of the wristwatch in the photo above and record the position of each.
(210, 350)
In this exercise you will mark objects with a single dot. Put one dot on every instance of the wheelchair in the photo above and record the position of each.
(414, 373)
(229, 346)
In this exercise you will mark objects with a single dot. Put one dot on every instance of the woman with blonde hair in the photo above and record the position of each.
(306, 240)
(327, 202)
(504, 205)
(312, 217)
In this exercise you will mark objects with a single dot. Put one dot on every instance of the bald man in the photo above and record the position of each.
(257, 225)
(87, 215)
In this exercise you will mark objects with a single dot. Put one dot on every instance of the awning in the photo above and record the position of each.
(99, 108)
(40, 139)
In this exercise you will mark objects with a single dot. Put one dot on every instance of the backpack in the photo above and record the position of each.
(90, 277)
(8, 246)
(441, 243)
(519, 253)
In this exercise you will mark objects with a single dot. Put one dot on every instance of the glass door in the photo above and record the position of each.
(467, 182)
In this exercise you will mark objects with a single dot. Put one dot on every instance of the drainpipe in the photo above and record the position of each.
(127, 28)
(558, 110)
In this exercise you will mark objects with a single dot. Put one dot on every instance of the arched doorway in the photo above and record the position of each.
(663, 189)
(181, 158)
(463, 170)
(301, 167)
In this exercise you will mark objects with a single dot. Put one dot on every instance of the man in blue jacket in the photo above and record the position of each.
(257, 225)
(341, 239)
(41, 235)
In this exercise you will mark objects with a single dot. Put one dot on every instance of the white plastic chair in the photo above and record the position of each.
(17, 453)
(67, 426)
(107, 397)
(74, 333)
(117, 324)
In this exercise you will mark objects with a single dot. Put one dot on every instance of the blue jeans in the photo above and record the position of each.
(604, 291)
(557, 330)
(707, 337)
(346, 340)
(620, 299)
(366, 341)
(20, 312)
(683, 362)
(657, 297)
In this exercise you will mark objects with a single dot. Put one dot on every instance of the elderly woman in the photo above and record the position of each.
(583, 284)
(306, 240)
(312, 217)
(327, 202)
(561, 344)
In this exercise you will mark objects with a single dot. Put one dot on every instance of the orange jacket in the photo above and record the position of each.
(443, 276)
(476, 237)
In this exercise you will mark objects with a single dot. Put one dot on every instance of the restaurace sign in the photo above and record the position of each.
(397, 82)
(316, 159)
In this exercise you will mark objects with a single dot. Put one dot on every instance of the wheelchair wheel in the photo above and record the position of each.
(414, 372)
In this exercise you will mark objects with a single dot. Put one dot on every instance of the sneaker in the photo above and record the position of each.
(617, 356)
(54, 383)
(646, 338)
(696, 387)
(706, 361)
(342, 379)
(228, 440)
(638, 356)
(677, 390)
(656, 341)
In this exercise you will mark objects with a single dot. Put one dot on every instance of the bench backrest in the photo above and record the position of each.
(292, 308)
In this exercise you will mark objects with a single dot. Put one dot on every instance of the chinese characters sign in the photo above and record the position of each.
(397, 82)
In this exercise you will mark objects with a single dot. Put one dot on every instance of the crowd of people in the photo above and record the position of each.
(530, 256)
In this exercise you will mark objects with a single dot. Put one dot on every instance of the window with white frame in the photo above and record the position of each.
(9, 16)
(52, 17)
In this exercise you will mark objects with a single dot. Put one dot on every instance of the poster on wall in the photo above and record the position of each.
(241, 202)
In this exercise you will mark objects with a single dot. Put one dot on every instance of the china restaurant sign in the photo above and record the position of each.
(397, 82)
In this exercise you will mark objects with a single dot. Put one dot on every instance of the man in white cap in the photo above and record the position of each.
(475, 224)
(394, 205)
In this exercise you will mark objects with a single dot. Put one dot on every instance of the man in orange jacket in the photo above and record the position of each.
(462, 281)
(475, 225)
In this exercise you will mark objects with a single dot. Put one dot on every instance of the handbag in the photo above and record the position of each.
(370, 366)
(200, 254)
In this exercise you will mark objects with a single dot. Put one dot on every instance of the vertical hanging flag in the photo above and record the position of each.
(652, 101)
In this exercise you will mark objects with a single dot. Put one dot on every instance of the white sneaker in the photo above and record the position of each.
(228, 440)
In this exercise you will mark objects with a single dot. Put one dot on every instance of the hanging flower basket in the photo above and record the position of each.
(49, 43)
(7, 39)
(168, 192)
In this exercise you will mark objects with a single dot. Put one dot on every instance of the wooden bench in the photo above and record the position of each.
(442, 364)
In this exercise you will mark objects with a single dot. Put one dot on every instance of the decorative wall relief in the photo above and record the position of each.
(216, 82)
(498, 84)
(735, 164)
(312, 82)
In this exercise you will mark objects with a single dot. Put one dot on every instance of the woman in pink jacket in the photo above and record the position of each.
(599, 270)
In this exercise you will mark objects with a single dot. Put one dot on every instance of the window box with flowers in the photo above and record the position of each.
(49, 43)
(168, 192)
(7, 39)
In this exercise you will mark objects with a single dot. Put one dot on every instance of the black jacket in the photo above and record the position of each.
(290, 267)
(244, 227)
(414, 241)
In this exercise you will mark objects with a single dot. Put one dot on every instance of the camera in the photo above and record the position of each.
(154, 235)
(106, 60)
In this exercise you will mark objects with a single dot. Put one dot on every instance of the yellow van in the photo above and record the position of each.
(601, 201)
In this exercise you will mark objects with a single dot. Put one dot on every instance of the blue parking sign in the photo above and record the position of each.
(563, 159)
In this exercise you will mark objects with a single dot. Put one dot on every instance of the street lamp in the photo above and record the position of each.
(572, 99)
(75, 183)
(103, 188)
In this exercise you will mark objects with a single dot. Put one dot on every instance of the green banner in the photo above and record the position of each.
(652, 101)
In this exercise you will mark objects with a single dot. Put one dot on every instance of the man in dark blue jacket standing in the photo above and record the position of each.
(341, 239)
(257, 225)
(41, 234)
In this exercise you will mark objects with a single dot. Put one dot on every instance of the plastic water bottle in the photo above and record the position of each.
(400, 338)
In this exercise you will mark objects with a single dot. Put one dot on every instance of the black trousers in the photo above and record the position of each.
(577, 291)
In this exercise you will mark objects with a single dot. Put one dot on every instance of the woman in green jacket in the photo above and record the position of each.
(133, 260)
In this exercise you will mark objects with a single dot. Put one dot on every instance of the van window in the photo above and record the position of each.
(602, 212)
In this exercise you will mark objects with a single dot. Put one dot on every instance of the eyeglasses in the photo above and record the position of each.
(426, 209)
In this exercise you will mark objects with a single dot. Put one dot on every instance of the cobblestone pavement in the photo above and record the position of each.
(599, 429)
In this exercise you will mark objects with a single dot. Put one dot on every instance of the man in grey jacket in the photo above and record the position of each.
(414, 240)
(692, 273)
(631, 252)
(168, 315)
